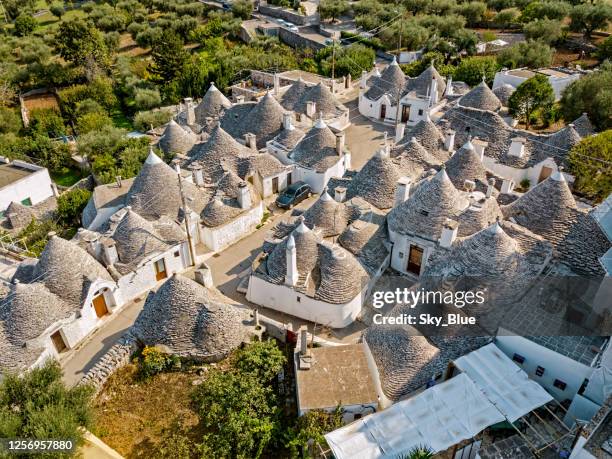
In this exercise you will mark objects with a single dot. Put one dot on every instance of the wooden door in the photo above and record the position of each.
(383, 111)
(99, 304)
(275, 185)
(545, 172)
(58, 341)
(415, 258)
(405, 113)
(160, 269)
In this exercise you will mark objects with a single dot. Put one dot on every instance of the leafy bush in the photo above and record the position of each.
(36, 234)
(143, 121)
(471, 70)
(47, 121)
(261, 359)
(154, 361)
(146, 99)
(313, 425)
(25, 24)
(590, 164)
(9, 120)
(70, 206)
(548, 31)
(533, 54)
(531, 96)
(90, 122)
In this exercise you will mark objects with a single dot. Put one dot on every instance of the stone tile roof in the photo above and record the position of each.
(430, 137)
(176, 139)
(294, 94)
(289, 138)
(327, 215)
(325, 102)
(464, 165)
(341, 276)
(19, 216)
(264, 119)
(427, 209)
(224, 205)
(481, 97)
(27, 310)
(583, 126)
(561, 141)
(366, 238)
(421, 85)
(549, 209)
(503, 93)
(67, 270)
(15, 358)
(213, 105)
(192, 321)
(376, 182)
(155, 191)
(317, 150)
(265, 164)
(391, 82)
(413, 157)
(479, 215)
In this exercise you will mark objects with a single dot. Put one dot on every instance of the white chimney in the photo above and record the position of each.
(449, 86)
(287, 123)
(244, 196)
(517, 147)
(251, 141)
(399, 132)
(276, 84)
(479, 147)
(340, 193)
(189, 111)
(109, 252)
(340, 137)
(469, 185)
(196, 172)
(490, 187)
(291, 278)
(304, 341)
(433, 96)
(177, 166)
(402, 191)
(364, 80)
(507, 186)
(203, 276)
(311, 108)
(449, 233)
(449, 140)
(240, 99)
(347, 160)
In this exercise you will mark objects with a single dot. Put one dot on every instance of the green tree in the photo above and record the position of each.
(38, 405)
(70, 206)
(143, 121)
(168, 57)
(533, 54)
(533, 94)
(591, 94)
(14, 8)
(332, 9)
(605, 49)
(90, 122)
(261, 359)
(471, 70)
(57, 10)
(9, 120)
(79, 42)
(313, 426)
(473, 12)
(549, 31)
(590, 163)
(47, 121)
(242, 8)
(506, 17)
(146, 99)
(348, 60)
(545, 10)
(25, 24)
(587, 18)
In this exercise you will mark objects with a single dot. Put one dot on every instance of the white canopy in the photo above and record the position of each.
(505, 384)
(438, 417)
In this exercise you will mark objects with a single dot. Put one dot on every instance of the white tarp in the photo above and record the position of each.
(438, 417)
(505, 384)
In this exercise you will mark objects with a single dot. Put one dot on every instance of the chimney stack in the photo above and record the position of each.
(203, 276)
(251, 141)
(449, 86)
(402, 191)
(433, 96)
(449, 233)
(303, 341)
(287, 122)
(340, 194)
(479, 148)
(469, 185)
(340, 137)
(276, 84)
(364, 80)
(507, 186)
(311, 109)
(190, 111)
(196, 172)
(399, 132)
(490, 187)
(244, 196)
(240, 99)
(292, 275)
(449, 140)
(347, 160)
(517, 147)
(109, 252)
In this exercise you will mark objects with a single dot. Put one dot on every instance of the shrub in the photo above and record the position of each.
(92, 122)
(524, 184)
(261, 359)
(153, 361)
(25, 24)
(146, 99)
(533, 54)
(312, 427)
(47, 121)
(548, 31)
(70, 206)
(471, 69)
(143, 121)
(590, 164)
(9, 120)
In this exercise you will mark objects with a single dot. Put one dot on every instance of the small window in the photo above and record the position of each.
(177, 253)
(401, 254)
(518, 358)
(421, 112)
(299, 300)
(540, 371)
(357, 416)
(583, 387)
(424, 212)
(27, 202)
(559, 384)
(467, 129)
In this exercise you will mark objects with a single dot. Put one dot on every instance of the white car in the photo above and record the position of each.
(294, 28)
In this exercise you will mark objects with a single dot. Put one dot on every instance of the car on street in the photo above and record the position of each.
(293, 195)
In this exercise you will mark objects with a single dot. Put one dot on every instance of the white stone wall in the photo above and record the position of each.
(266, 186)
(36, 186)
(102, 216)
(371, 108)
(517, 175)
(285, 299)
(383, 400)
(221, 237)
(401, 250)
(558, 83)
(316, 180)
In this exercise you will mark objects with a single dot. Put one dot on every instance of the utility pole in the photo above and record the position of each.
(187, 226)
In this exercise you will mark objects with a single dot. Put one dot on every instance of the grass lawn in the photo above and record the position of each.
(67, 177)
(121, 121)
(132, 415)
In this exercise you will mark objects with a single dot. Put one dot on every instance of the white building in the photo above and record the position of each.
(23, 183)
(559, 77)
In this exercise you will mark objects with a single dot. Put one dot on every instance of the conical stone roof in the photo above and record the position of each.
(430, 137)
(192, 321)
(559, 143)
(324, 100)
(327, 215)
(583, 126)
(317, 150)
(306, 244)
(213, 104)
(264, 120)
(175, 139)
(376, 182)
(391, 82)
(503, 93)
(422, 84)
(294, 94)
(19, 215)
(136, 237)
(464, 165)
(414, 157)
(481, 97)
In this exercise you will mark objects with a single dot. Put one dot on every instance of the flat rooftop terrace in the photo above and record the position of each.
(11, 173)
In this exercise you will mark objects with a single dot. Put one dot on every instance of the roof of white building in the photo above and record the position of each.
(212, 105)
(376, 182)
(481, 97)
(192, 321)
(464, 165)
(294, 94)
(177, 139)
(503, 93)
(391, 82)
(430, 137)
(583, 125)
(325, 102)
(421, 85)
(317, 150)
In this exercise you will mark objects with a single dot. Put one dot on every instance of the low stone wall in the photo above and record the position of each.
(116, 357)
(288, 15)
(297, 40)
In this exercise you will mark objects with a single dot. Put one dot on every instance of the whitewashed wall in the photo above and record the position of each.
(221, 237)
(517, 175)
(401, 250)
(316, 180)
(36, 186)
(558, 84)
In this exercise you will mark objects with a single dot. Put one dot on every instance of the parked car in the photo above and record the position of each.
(294, 28)
(293, 195)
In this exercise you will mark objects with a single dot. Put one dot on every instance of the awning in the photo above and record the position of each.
(505, 384)
(439, 418)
